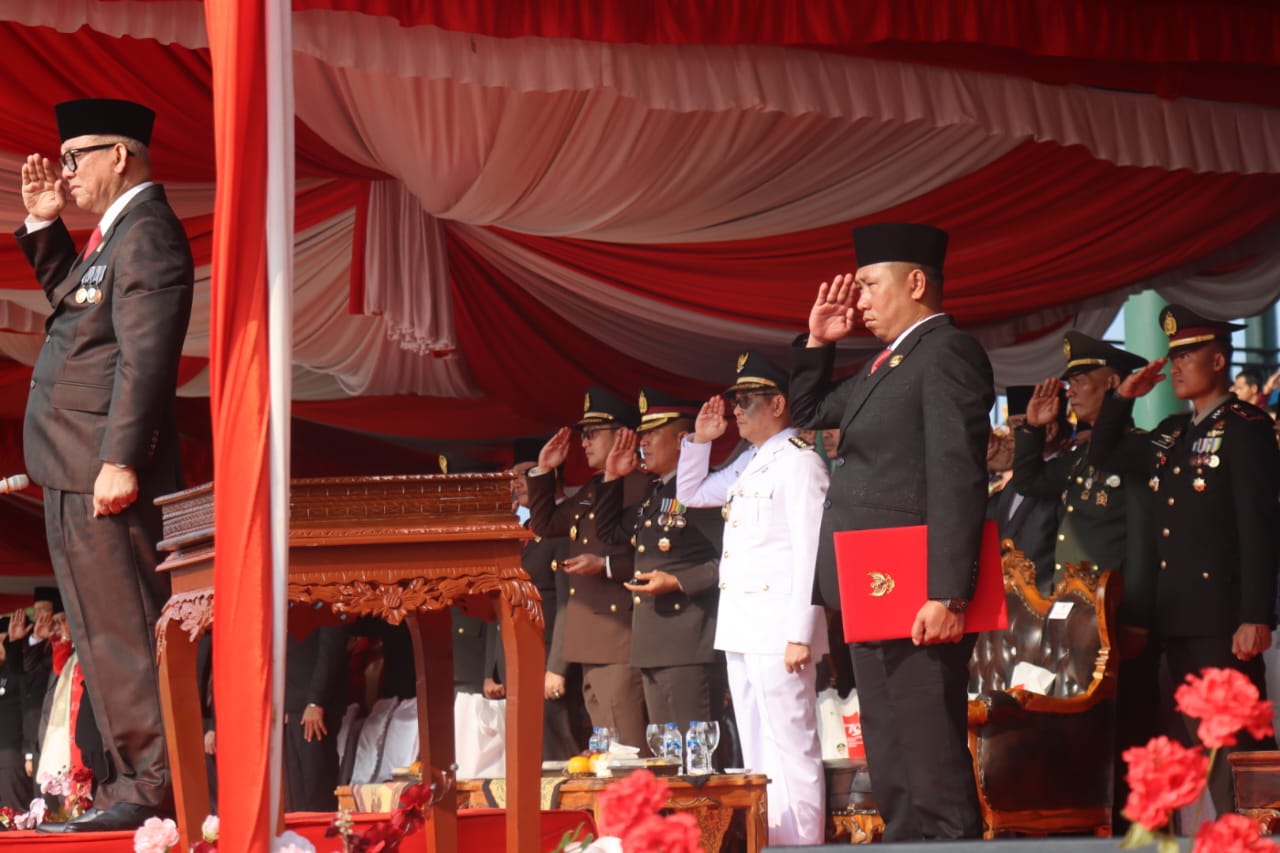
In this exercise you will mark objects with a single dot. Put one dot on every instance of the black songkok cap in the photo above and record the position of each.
(900, 241)
(104, 117)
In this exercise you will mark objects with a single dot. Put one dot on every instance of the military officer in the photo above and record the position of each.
(767, 626)
(677, 555)
(1106, 522)
(1215, 475)
(597, 620)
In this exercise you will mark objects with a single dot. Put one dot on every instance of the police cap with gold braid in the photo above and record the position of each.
(757, 373)
(658, 408)
(599, 407)
(1186, 328)
(1085, 353)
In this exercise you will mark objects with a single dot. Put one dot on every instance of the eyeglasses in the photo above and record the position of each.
(588, 433)
(746, 399)
(68, 158)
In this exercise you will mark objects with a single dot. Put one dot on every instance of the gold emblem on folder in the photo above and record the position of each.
(881, 584)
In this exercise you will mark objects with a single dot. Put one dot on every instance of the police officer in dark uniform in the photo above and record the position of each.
(597, 621)
(677, 566)
(1106, 522)
(1215, 476)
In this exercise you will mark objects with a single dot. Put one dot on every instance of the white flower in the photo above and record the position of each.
(156, 836)
(55, 784)
(291, 842)
(209, 829)
(34, 816)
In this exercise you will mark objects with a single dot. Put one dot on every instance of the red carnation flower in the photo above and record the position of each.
(1224, 701)
(1163, 776)
(629, 803)
(1232, 833)
(676, 833)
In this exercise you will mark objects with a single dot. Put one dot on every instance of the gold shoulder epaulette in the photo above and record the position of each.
(800, 442)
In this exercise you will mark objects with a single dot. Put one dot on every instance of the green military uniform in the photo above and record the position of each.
(1106, 521)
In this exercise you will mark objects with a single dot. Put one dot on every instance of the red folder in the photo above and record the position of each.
(884, 580)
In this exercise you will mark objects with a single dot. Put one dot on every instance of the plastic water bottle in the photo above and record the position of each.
(671, 743)
(695, 750)
(599, 740)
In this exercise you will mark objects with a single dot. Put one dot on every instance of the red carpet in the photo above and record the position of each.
(478, 830)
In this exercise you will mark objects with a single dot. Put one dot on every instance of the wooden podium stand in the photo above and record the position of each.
(400, 549)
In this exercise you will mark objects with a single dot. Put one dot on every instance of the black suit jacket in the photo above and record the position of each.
(913, 445)
(103, 385)
(316, 669)
(1033, 527)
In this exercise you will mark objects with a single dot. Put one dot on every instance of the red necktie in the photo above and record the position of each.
(94, 239)
(875, 365)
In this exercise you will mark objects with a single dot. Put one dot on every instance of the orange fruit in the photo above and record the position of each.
(578, 764)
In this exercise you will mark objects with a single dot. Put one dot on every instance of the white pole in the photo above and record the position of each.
(280, 195)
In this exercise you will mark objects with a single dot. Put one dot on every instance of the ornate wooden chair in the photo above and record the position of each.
(1044, 763)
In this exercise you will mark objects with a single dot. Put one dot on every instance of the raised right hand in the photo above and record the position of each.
(1140, 382)
(711, 422)
(18, 626)
(831, 317)
(555, 451)
(1042, 408)
(43, 192)
(621, 460)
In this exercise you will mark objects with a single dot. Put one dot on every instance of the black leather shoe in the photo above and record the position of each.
(117, 817)
(62, 826)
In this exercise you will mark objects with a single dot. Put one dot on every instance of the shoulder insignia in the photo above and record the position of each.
(1247, 412)
(800, 442)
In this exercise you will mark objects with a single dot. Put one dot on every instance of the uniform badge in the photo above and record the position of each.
(1066, 348)
(742, 362)
(1198, 484)
(1170, 324)
(81, 295)
(644, 403)
(586, 403)
(1084, 496)
(1214, 461)
(573, 533)
(664, 544)
(1114, 481)
(895, 361)
(800, 442)
(1102, 499)
(1154, 484)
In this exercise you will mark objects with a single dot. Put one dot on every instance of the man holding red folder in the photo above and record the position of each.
(914, 426)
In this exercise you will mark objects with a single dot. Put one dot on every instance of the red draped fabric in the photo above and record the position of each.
(239, 389)
(1148, 46)
(1044, 225)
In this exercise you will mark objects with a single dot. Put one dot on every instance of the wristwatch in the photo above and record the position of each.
(955, 605)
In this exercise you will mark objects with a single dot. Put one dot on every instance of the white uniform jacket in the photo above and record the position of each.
(772, 501)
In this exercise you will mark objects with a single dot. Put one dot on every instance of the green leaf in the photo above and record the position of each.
(1137, 836)
(1167, 844)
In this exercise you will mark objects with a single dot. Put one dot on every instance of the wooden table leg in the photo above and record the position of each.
(758, 823)
(430, 631)
(183, 731)
(526, 668)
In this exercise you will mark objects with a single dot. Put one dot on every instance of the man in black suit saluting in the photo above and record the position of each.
(913, 440)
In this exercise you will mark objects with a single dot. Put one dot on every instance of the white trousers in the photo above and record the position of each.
(777, 721)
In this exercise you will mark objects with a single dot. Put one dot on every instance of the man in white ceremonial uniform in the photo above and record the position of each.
(767, 626)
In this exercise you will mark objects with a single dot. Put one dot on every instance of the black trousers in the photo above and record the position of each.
(15, 784)
(311, 768)
(113, 596)
(914, 702)
(1187, 656)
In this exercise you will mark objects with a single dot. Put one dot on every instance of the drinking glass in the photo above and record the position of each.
(653, 735)
(712, 733)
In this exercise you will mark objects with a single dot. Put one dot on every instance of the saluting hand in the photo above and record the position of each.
(43, 192)
(1042, 408)
(711, 422)
(19, 628)
(831, 317)
(555, 451)
(1140, 382)
(621, 460)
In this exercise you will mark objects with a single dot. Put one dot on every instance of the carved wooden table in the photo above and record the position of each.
(1257, 785)
(398, 548)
